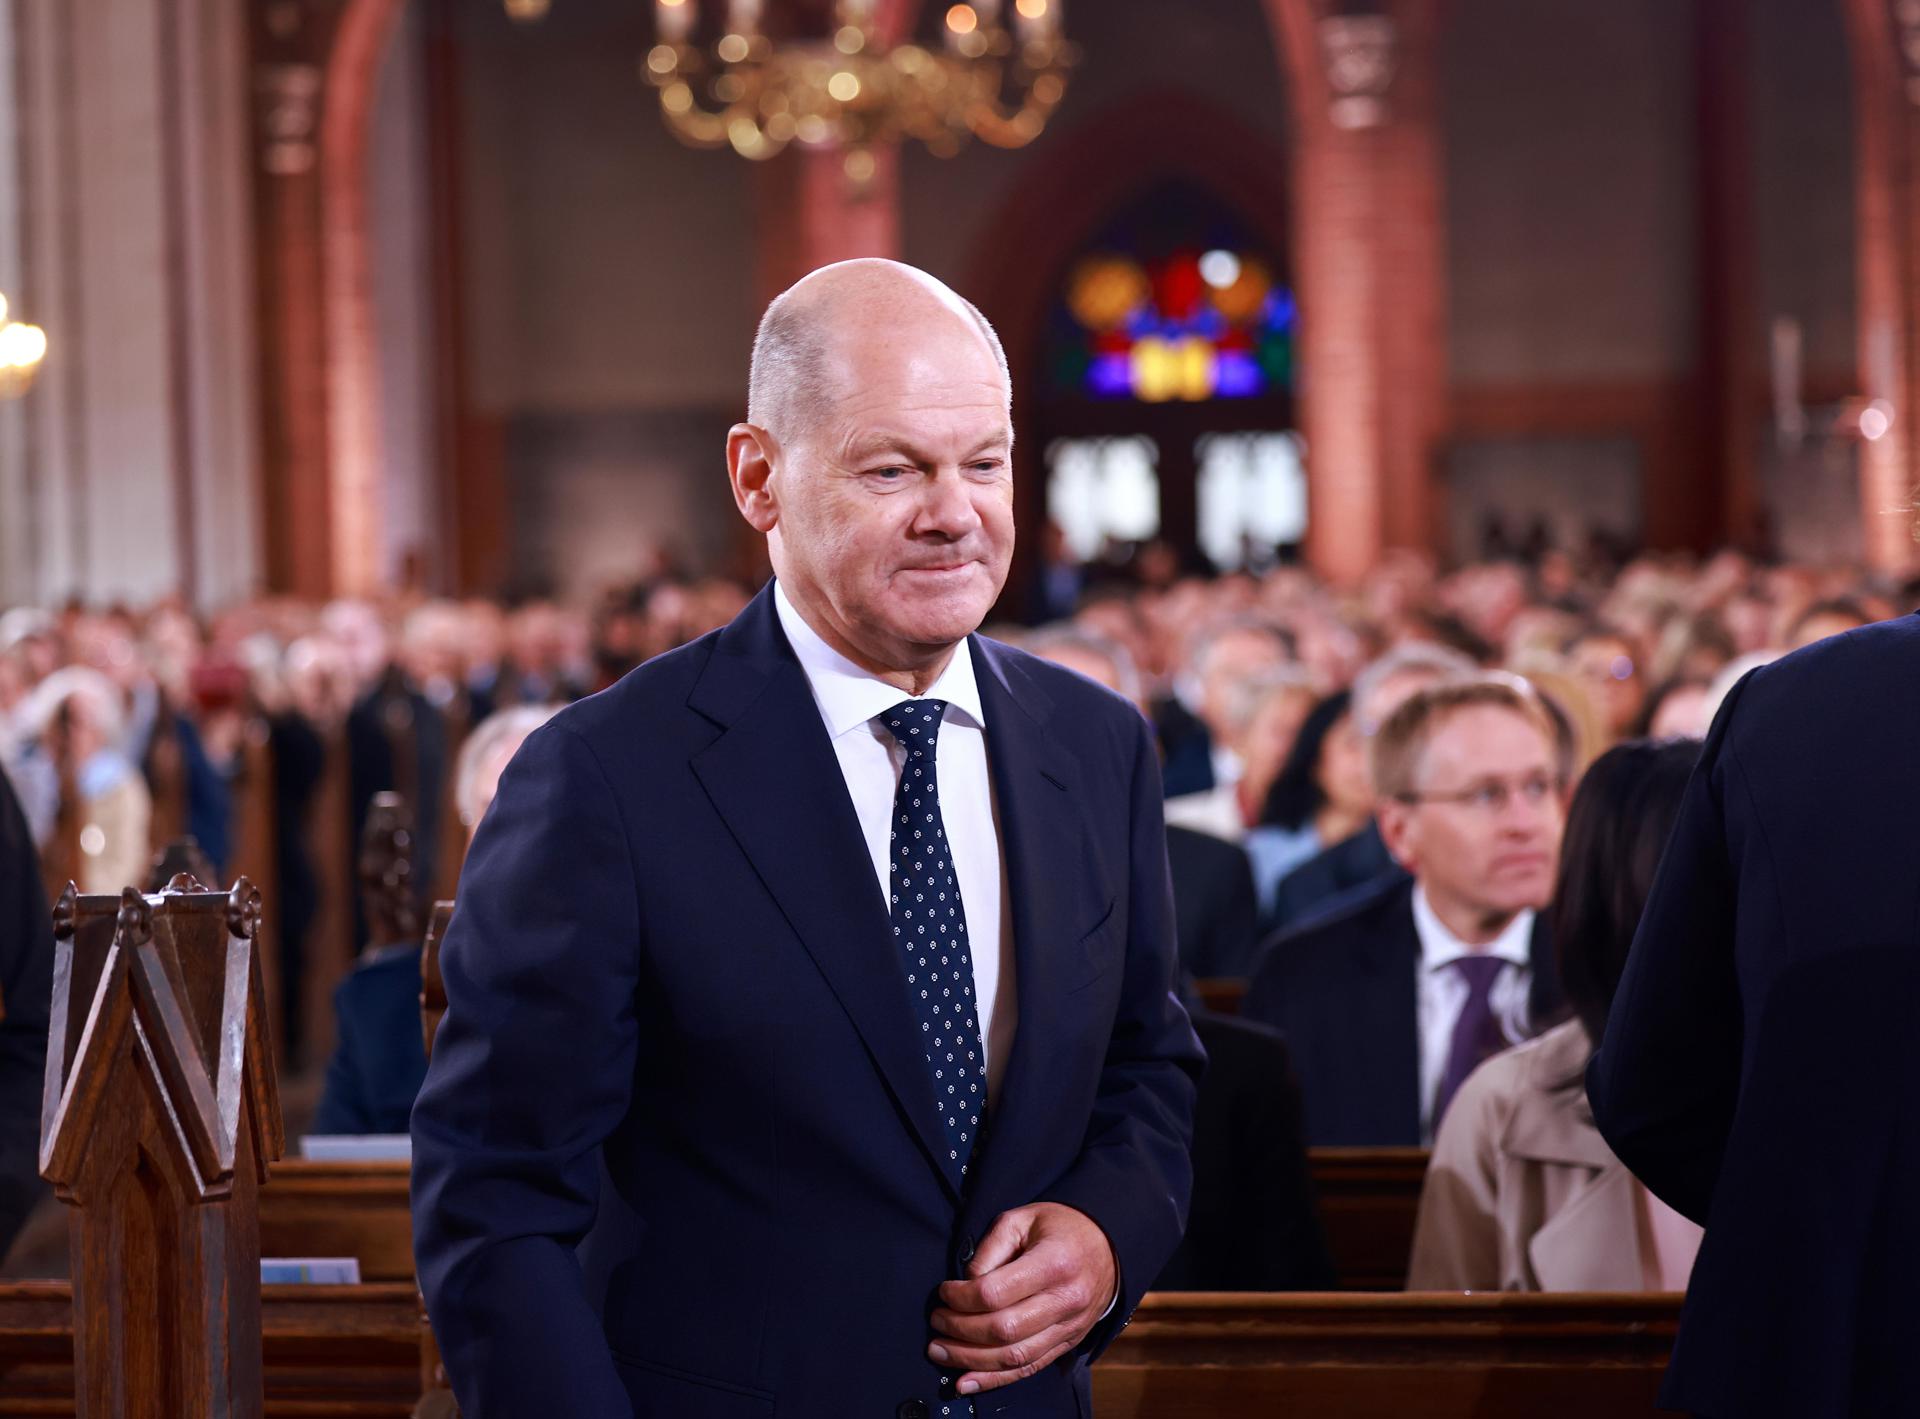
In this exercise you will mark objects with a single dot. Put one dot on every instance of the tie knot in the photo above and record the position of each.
(1479, 972)
(915, 723)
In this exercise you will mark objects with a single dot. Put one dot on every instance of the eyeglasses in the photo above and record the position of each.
(1493, 796)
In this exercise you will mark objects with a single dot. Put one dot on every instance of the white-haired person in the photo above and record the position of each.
(378, 1057)
(75, 722)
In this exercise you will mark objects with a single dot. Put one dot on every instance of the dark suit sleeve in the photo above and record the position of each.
(1233, 928)
(26, 988)
(1134, 1175)
(532, 1069)
(343, 1107)
(1665, 1080)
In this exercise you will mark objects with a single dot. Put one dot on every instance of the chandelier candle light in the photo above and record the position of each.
(22, 348)
(852, 91)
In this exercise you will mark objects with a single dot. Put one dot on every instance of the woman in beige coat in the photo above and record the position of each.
(1522, 1193)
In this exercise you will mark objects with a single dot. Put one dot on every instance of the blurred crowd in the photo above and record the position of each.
(1282, 705)
(123, 716)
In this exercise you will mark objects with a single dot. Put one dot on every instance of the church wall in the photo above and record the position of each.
(1569, 149)
(1571, 155)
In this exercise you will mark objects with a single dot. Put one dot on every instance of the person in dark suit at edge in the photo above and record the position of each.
(756, 932)
(1758, 1071)
(26, 1005)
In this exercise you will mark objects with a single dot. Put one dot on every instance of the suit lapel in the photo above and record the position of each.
(1390, 1051)
(1055, 894)
(773, 777)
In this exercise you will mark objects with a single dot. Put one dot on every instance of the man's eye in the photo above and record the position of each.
(891, 475)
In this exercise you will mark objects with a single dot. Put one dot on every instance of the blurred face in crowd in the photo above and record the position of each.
(1822, 624)
(1605, 664)
(362, 637)
(1229, 661)
(888, 499)
(1482, 829)
(1088, 662)
(1344, 776)
(1386, 697)
(1682, 714)
(1269, 737)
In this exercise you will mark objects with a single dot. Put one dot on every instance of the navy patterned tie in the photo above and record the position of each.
(930, 927)
(1477, 1034)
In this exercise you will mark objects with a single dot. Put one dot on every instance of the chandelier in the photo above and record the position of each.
(22, 348)
(991, 81)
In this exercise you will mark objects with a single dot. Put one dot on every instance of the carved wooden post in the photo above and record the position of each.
(159, 1120)
(433, 990)
(436, 1391)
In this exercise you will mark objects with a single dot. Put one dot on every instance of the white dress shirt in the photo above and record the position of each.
(850, 701)
(1443, 992)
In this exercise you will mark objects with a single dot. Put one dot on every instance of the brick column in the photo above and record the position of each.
(289, 45)
(1369, 252)
(1887, 263)
(314, 63)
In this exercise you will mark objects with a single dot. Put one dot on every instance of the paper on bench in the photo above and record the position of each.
(356, 1148)
(309, 1270)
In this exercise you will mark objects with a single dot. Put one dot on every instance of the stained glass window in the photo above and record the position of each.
(1176, 301)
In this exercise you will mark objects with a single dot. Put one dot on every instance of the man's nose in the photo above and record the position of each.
(946, 506)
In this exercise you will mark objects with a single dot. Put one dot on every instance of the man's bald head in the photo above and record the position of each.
(791, 381)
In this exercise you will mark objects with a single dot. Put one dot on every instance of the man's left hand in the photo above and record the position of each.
(1040, 1280)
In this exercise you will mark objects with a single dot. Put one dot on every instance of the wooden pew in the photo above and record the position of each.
(1201, 1356)
(1369, 1198)
(1221, 994)
(348, 1352)
(354, 1351)
(359, 1210)
(159, 1118)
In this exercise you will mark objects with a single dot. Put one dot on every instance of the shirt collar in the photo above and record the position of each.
(1440, 947)
(849, 697)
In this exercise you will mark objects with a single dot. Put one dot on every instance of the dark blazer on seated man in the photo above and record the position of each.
(26, 1001)
(1345, 994)
(1215, 912)
(1334, 873)
(1254, 1224)
(1760, 1071)
(379, 1057)
(671, 951)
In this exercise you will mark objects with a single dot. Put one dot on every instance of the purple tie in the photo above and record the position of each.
(1477, 1034)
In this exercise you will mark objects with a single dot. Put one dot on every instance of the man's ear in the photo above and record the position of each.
(751, 456)
(1397, 832)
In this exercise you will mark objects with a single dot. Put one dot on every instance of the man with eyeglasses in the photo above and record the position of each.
(1389, 1003)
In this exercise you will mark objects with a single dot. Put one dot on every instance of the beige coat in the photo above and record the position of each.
(1523, 1193)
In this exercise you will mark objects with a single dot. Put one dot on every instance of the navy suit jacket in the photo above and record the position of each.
(672, 969)
(1343, 991)
(26, 1003)
(380, 1057)
(1759, 1070)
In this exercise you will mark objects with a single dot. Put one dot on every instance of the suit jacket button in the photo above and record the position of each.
(966, 1250)
(911, 1409)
